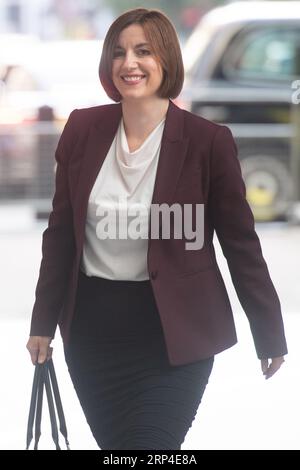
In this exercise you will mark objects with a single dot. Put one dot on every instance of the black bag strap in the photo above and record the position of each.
(59, 408)
(32, 408)
(39, 407)
(44, 376)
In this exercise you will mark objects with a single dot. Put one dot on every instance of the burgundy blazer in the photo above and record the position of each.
(198, 163)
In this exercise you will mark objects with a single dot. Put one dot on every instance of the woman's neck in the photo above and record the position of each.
(140, 117)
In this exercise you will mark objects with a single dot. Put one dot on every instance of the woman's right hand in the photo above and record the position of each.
(39, 348)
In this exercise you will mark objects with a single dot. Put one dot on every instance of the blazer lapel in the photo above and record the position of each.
(100, 138)
(172, 155)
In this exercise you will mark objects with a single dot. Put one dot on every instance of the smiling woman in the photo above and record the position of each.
(141, 318)
(149, 41)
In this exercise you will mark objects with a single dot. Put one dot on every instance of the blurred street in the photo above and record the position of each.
(240, 410)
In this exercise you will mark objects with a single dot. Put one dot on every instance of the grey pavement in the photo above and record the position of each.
(240, 410)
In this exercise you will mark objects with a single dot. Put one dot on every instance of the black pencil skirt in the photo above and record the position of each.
(131, 396)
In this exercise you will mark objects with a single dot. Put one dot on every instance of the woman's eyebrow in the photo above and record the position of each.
(141, 44)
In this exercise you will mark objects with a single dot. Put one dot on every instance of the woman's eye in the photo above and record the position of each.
(139, 52)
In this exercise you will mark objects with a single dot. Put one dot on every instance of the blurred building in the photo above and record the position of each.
(21, 16)
(56, 19)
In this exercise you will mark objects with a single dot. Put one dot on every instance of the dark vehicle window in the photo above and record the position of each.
(269, 53)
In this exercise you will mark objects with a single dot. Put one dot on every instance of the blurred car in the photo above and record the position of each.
(240, 62)
(41, 83)
(15, 171)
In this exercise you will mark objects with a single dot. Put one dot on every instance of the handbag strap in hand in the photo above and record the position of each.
(44, 375)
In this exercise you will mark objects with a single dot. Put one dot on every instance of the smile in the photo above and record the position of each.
(132, 79)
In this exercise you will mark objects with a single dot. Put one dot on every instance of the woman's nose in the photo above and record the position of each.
(130, 59)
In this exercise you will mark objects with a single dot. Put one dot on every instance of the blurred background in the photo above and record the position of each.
(242, 65)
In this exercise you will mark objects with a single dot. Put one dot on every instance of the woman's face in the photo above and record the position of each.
(136, 73)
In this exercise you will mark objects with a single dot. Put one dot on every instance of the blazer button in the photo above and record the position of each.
(153, 274)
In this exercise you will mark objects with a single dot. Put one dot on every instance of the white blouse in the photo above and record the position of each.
(116, 231)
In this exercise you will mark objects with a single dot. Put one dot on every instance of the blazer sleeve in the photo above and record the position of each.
(234, 224)
(58, 244)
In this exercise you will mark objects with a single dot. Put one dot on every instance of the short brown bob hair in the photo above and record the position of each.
(162, 36)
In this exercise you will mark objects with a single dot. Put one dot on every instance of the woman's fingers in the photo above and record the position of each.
(43, 353)
(264, 365)
(34, 352)
(270, 368)
(39, 349)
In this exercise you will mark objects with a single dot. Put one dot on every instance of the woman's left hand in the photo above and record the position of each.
(270, 366)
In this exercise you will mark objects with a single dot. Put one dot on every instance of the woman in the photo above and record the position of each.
(143, 316)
